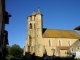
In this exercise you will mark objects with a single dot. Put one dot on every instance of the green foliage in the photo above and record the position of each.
(69, 53)
(14, 51)
(8, 49)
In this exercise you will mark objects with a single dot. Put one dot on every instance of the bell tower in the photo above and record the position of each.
(31, 32)
(39, 27)
(39, 24)
(34, 26)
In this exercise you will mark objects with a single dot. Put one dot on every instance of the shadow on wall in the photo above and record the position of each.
(28, 56)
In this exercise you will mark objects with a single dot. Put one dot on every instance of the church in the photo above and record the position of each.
(52, 41)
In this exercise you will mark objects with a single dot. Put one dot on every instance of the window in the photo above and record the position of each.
(34, 25)
(44, 50)
(71, 49)
(59, 43)
(29, 40)
(69, 42)
(28, 48)
(49, 43)
(29, 37)
(30, 26)
(77, 48)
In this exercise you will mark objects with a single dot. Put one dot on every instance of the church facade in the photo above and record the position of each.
(52, 41)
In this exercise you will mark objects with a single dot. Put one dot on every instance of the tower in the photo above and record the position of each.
(34, 26)
(31, 32)
(39, 21)
(38, 31)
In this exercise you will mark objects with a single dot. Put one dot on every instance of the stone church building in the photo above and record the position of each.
(53, 41)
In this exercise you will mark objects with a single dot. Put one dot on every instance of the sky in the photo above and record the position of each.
(57, 14)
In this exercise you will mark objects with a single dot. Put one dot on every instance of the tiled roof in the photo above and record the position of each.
(62, 47)
(56, 33)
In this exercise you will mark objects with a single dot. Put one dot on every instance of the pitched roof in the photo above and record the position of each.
(34, 13)
(56, 33)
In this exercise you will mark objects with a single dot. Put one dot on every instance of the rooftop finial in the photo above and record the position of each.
(39, 12)
(38, 8)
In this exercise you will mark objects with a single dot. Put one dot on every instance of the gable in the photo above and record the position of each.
(76, 44)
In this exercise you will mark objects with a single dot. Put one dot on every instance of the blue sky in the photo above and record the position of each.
(57, 14)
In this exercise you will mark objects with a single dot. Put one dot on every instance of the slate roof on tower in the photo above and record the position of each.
(34, 13)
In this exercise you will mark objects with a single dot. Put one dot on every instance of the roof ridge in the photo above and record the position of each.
(57, 29)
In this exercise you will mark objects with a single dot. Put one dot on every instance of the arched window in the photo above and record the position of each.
(29, 40)
(29, 37)
(28, 48)
(77, 49)
(59, 43)
(71, 49)
(34, 25)
(30, 26)
(69, 42)
(49, 43)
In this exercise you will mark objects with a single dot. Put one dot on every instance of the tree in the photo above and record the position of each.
(8, 49)
(14, 51)
(77, 28)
